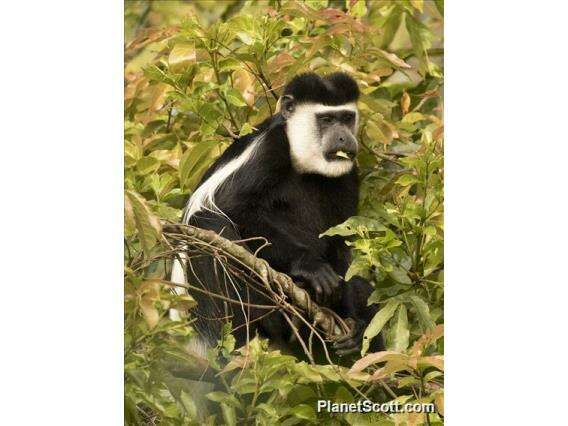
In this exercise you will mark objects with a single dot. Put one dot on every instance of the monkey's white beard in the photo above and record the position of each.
(306, 150)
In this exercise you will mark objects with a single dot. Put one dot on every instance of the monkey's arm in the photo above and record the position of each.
(300, 256)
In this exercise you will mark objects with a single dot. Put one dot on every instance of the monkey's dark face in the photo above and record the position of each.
(322, 138)
(336, 130)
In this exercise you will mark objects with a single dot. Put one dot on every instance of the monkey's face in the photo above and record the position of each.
(322, 138)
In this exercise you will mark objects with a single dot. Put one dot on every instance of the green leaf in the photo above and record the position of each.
(246, 129)
(423, 311)
(360, 266)
(355, 225)
(377, 324)
(406, 180)
(229, 64)
(391, 25)
(147, 224)
(182, 55)
(375, 133)
(224, 397)
(400, 331)
(153, 72)
(235, 98)
(268, 409)
(304, 411)
(193, 159)
(418, 4)
(432, 375)
(188, 404)
(357, 9)
(429, 230)
(400, 275)
(413, 117)
(421, 38)
(229, 414)
(210, 112)
(440, 6)
(147, 165)
(393, 59)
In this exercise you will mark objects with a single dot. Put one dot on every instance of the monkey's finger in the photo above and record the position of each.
(326, 287)
(345, 342)
(352, 326)
(347, 351)
(318, 290)
(331, 277)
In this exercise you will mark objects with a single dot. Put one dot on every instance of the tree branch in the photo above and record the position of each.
(325, 319)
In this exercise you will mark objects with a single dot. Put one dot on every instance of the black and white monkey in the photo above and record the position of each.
(289, 181)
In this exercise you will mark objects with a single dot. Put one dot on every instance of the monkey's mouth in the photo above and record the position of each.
(340, 155)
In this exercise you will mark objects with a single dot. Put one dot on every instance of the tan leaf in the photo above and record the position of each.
(281, 60)
(393, 59)
(436, 361)
(438, 133)
(405, 103)
(427, 338)
(389, 368)
(236, 362)
(129, 221)
(375, 358)
(150, 293)
(243, 81)
(147, 223)
(439, 400)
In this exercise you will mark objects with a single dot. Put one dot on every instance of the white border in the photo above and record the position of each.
(61, 216)
(506, 212)
(61, 174)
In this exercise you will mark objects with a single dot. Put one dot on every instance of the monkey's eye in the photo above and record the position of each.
(327, 119)
(348, 117)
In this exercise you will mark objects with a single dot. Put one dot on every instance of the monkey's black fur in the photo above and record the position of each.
(267, 198)
(335, 89)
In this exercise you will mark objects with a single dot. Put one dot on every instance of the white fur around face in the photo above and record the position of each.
(305, 146)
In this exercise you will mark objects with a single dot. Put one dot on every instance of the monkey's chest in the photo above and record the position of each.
(319, 205)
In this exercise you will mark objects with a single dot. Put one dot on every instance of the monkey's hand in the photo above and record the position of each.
(351, 342)
(320, 277)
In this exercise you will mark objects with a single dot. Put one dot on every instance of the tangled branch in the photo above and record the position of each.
(278, 282)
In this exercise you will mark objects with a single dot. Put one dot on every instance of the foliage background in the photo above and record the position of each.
(199, 73)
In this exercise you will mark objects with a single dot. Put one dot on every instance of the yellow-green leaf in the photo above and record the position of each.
(182, 55)
(194, 160)
(423, 312)
(406, 180)
(401, 332)
(418, 4)
(235, 98)
(147, 224)
(405, 103)
(147, 165)
(377, 324)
